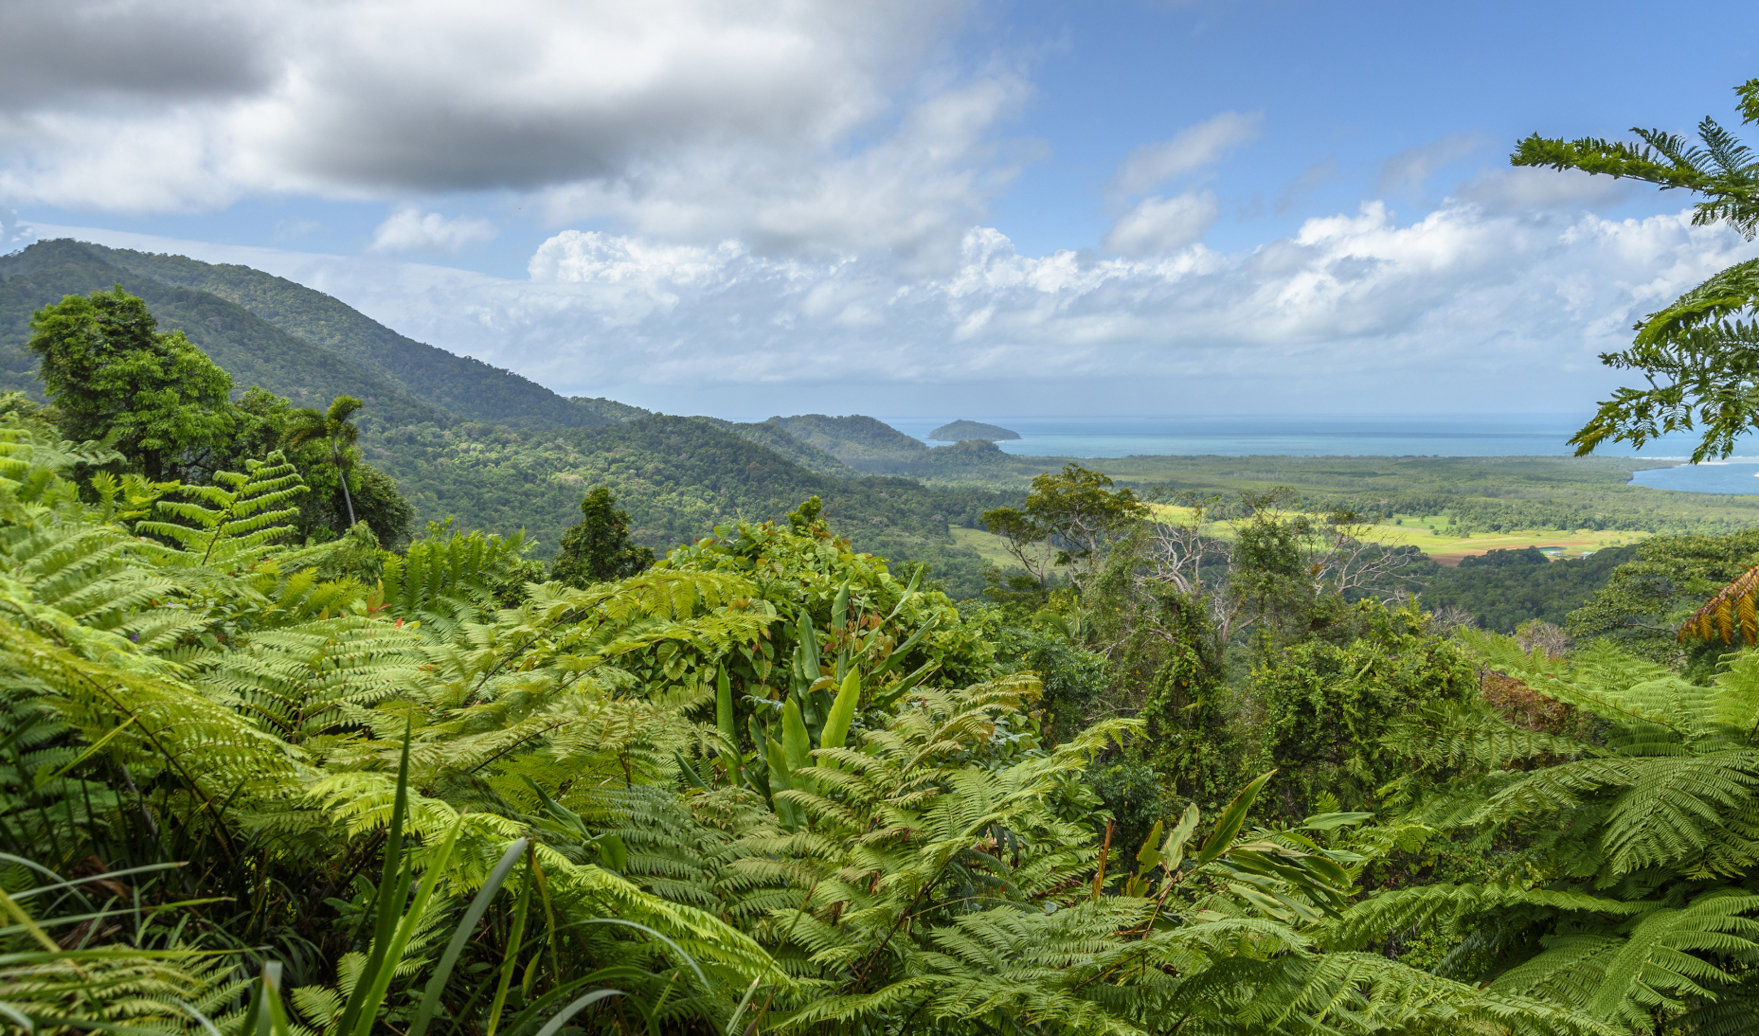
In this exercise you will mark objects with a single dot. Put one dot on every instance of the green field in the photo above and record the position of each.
(1432, 537)
(988, 546)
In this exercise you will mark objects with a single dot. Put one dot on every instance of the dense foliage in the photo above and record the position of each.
(114, 375)
(764, 783)
(1616, 828)
(1501, 589)
(596, 549)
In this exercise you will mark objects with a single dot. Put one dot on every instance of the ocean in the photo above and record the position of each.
(1234, 435)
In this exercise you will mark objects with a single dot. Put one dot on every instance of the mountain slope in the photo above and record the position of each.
(767, 433)
(459, 385)
(252, 350)
(863, 443)
(677, 477)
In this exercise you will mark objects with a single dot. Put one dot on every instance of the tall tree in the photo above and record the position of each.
(596, 549)
(334, 427)
(1074, 513)
(113, 374)
(1699, 356)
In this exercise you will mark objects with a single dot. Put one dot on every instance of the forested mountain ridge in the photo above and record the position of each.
(774, 436)
(677, 477)
(188, 294)
(863, 443)
(513, 455)
(251, 349)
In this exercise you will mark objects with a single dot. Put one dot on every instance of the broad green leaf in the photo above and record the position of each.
(836, 731)
(1228, 824)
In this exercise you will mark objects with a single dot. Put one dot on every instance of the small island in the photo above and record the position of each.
(959, 431)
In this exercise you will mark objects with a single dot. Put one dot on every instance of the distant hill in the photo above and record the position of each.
(774, 437)
(323, 346)
(961, 430)
(863, 443)
(677, 477)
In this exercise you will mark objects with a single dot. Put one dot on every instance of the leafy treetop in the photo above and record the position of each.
(596, 549)
(114, 375)
(1699, 355)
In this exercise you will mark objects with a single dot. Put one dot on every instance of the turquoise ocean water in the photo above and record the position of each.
(1501, 435)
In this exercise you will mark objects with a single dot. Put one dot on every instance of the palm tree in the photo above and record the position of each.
(333, 426)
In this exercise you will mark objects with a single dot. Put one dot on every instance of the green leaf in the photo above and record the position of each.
(727, 724)
(689, 772)
(1228, 825)
(1149, 855)
(836, 731)
(796, 743)
(1173, 853)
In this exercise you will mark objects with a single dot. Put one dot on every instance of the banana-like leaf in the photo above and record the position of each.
(1229, 823)
(836, 731)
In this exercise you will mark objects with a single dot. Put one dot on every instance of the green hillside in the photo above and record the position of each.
(192, 295)
(251, 349)
(677, 477)
(773, 436)
(863, 443)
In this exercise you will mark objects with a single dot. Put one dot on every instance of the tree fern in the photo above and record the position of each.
(1633, 901)
(234, 524)
(764, 783)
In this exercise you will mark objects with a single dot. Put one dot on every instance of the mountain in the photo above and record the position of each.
(292, 340)
(496, 451)
(676, 476)
(863, 443)
(251, 349)
(961, 430)
(775, 437)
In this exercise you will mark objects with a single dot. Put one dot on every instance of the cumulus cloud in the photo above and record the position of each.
(914, 190)
(1157, 225)
(1460, 289)
(1463, 294)
(411, 230)
(818, 125)
(1193, 148)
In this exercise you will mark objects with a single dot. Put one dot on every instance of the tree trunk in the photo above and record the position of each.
(342, 473)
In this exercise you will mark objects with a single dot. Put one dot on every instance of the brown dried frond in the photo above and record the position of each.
(1730, 610)
(1522, 705)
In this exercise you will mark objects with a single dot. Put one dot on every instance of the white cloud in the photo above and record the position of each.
(1158, 225)
(1191, 149)
(411, 230)
(1418, 312)
(817, 126)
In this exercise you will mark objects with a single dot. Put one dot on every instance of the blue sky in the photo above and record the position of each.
(921, 206)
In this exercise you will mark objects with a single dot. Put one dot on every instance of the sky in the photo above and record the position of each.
(910, 207)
